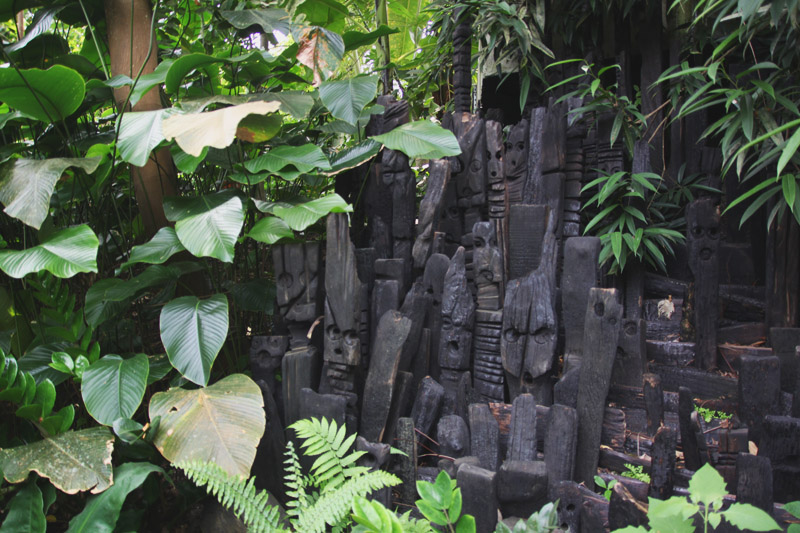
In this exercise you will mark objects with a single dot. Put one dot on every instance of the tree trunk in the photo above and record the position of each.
(129, 23)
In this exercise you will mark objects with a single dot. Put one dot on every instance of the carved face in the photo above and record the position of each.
(516, 157)
(610, 159)
(458, 313)
(343, 299)
(266, 353)
(341, 346)
(296, 269)
(703, 221)
(529, 336)
(395, 168)
(486, 258)
(470, 175)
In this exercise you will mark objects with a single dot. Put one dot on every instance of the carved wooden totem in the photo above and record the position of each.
(469, 169)
(530, 326)
(702, 220)
(430, 210)
(488, 376)
(342, 352)
(515, 162)
(462, 65)
(455, 341)
(297, 269)
(399, 179)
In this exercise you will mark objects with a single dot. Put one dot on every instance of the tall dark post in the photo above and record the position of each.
(702, 221)
(462, 63)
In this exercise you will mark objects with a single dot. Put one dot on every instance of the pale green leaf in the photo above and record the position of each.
(707, 487)
(193, 332)
(270, 230)
(421, 139)
(26, 185)
(64, 253)
(139, 133)
(48, 95)
(222, 423)
(301, 216)
(751, 518)
(75, 461)
(345, 99)
(113, 387)
(157, 250)
(789, 150)
(304, 158)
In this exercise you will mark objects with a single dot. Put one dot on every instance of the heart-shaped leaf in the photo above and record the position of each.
(48, 95)
(64, 253)
(113, 387)
(353, 156)
(102, 511)
(139, 133)
(161, 247)
(269, 20)
(217, 129)
(207, 225)
(270, 230)
(346, 98)
(356, 39)
(222, 423)
(299, 217)
(74, 461)
(421, 139)
(304, 158)
(193, 332)
(26, 185)
(320, 50)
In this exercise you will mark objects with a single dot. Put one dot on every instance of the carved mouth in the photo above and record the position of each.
(452, 346)
(705, 254)
(488, 275)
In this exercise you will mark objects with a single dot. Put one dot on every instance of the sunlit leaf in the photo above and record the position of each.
(270, 230)
(48, 95)
(421, 139)
(63, 253)
(113, 387)
(299, 217)
(222, 423)
(346, 98)
(320, 50)
(26, 185)
(139, 133)
(75, 461)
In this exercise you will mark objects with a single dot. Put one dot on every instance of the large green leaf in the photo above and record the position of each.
(345, 99)
(353, 156)
(299, 217)
(42, 21)
(207, 225)
(421, 139)
(139, 133)
(329, 14)
(304, 158)
(74, 461)
(222, 423)
(64, 253)
(268, 20)
(161, 247)
(193, 332)
(26, 185)
(320, 50)
(145, 83)
(25, 511)
(707, 487)
(270, 230)
(411, 19)
(216, 129)
(49, 95)
(185, 64)
(113, 387)
(101, 512)
(296, 103)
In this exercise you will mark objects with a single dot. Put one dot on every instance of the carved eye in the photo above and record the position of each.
(285, 279)
(351, 337)
(478, 243)
(520, 146)
(630, 328)
(333, 333)
(543, 335)
(452, 212)
(599, 309)
(447, 322)
(511, 335)
(713, 232)
(697, 231)
(476, 165)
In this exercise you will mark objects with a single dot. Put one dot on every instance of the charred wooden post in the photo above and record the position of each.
(452, 434)
(329, 406)
(515, 163)
(297, 274)
(407, 462)
(388, 347)
(546, 155)
(522, 438)
(430, 211)
(662, 467)
(759, 391)
(455, 341)
(498, 206)
(479, 492)
(780, 443)
(488, 266)
(376, 457)
(484, 436)
(603, 317)
(462, 63)
(631, 361)
(521, 487)
(560, 444)
(342, 353)
(754, 481)
(653, 402)
(527, 228)
(415, 307)
(300, 369)
(530, 326)
(427, 405)
(387, 292)
(784, 341)
(266, 354)
(581, 255)
(433, 279)
(402, 401)
(702, 220)
(399, 179)
(624, 510)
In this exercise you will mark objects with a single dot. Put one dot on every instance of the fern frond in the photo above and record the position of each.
(328, 441)
(333, 506)
(237, 494)
(296, 483)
